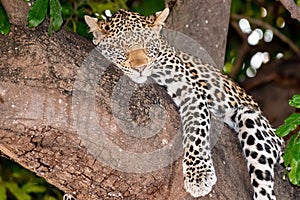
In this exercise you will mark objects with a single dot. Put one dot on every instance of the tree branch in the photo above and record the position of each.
(292, 8)
(244, 49)
(17, 11)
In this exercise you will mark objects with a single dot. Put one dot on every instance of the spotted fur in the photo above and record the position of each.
(134, 44)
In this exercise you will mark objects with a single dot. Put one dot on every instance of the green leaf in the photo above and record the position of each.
(294, 174)
(37, 13)
(284, 130)
(16, 191)
(295, 101)
(67, 9)
(55, 14)
(50, 27)
(2, 190)
(292, 159)
(291, 124)
(81, 29)
(288, 153)
(33, 187)
(149, 7)
(48, 197)
(101, 7)
(293, 120)
(4, 22)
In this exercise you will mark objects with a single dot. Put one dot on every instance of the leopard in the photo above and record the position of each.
(134, 44)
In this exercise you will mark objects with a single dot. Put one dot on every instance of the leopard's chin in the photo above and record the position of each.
(139, 79)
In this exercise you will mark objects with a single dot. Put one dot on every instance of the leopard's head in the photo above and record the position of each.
(130, 40)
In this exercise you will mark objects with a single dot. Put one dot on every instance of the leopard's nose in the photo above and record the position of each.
(137, 59)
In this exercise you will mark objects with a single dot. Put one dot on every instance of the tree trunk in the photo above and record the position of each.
(38, 129)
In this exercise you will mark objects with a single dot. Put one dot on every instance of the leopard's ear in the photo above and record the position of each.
(161, 17)
(158, 20)
(95, 27)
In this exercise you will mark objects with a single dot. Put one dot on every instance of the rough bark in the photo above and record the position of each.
(37, 130)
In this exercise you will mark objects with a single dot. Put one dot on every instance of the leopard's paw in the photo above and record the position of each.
(199, 179)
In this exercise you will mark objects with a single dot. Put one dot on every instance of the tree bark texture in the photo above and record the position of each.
(38, 130)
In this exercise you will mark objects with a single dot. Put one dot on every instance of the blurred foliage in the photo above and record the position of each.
(146, 7)
(17, 183)
(4, 22)
(292, 153)
(262, 15)
(74, 11)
